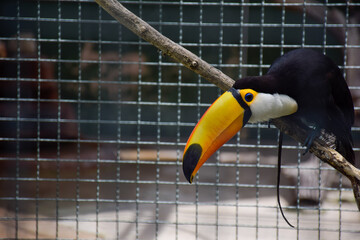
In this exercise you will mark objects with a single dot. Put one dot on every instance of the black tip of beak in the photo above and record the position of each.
(191, 158)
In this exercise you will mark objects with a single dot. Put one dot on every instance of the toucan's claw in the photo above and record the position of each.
(310, 139)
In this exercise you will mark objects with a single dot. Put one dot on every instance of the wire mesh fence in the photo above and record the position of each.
(94, 121)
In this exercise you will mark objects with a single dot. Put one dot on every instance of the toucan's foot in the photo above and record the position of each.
(310, 139)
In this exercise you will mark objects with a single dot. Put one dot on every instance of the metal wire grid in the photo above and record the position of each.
(111, 166)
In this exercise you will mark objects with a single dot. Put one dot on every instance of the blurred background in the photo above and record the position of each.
(93, 122)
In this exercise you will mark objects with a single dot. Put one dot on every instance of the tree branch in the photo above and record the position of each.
(215, 76)
(168, 47)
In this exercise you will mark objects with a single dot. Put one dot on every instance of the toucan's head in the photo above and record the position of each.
(225, 117)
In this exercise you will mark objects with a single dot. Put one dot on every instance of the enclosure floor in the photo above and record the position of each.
(87, 209)
(231, 220)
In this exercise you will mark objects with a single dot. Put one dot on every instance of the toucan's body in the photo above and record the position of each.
(302, 84)
(319, 89)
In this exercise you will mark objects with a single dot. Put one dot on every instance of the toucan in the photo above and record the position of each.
(303, 84)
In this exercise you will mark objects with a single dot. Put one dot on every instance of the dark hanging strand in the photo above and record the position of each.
(278, 178)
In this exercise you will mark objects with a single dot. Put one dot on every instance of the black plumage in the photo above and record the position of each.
(316, 83)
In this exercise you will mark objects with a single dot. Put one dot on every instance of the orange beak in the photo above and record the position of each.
(223, 119)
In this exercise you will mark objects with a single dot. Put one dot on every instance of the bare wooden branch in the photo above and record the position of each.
(215, 76)
(168, 47)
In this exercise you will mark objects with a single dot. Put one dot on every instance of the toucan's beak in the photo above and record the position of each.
(224, 118)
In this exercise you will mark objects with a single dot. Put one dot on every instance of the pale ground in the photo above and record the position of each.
(247, 218)
(270, 223)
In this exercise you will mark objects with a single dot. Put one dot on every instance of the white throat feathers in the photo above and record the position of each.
(269, 106)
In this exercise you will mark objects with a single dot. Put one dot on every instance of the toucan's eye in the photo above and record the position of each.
(249, 97)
